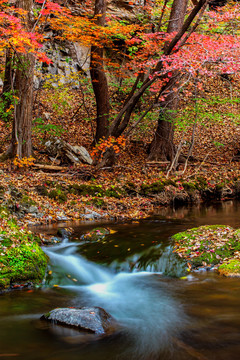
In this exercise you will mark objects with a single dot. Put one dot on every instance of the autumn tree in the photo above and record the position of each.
(98, 77)
(22, 44)
(177, 29)
(19, 77)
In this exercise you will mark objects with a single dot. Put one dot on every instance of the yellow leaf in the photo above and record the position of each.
(112, 231)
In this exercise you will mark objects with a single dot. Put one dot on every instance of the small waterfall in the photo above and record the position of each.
(71, 268)
(139, 301)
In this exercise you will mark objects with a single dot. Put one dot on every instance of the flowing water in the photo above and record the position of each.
(132, 274)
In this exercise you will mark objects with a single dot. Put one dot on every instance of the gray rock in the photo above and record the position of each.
(83, 154)
(33, 209)
(92, 319)
(90, 214)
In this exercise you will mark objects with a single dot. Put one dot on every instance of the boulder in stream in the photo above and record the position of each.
(91, 319)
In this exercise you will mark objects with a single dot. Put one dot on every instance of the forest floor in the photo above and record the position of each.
(134, 187)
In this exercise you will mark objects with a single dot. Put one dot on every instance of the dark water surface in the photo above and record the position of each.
(133, 275)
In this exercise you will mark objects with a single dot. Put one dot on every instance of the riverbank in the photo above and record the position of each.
(39, 198)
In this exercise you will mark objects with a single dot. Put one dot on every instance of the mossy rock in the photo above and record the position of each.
(188, 186)
(151, 189)
(97, 234)
(207, 245)
(58, 195)
(23, 263)
(21, 258)
(230, 268)
(82, 189)
(27, 201)
(156, 187)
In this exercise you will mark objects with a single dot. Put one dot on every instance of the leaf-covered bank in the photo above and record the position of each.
(37, 197)
(214, 246)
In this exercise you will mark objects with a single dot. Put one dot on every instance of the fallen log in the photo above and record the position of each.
(51, 167)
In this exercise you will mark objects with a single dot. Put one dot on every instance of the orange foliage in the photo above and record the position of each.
(116, 144)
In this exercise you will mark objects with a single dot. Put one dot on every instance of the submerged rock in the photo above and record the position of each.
(95, 235)
(92, 319)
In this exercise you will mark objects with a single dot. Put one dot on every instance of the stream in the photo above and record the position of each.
(162, 312)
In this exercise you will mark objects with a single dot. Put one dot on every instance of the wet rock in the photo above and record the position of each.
(64, 233)
(90, 215)
(92, 319)
(95, 235)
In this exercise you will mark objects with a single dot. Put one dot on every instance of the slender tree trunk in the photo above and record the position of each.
(22, 124)
(99, 80)
(162, 146)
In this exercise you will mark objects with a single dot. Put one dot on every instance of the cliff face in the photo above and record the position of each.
(71, 59)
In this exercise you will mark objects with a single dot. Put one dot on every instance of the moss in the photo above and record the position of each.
(169, 182)
(194, 232)
(96, 234)
(23, 263)
(230, 268)
(85, 189)
(98, 202)
(21, 258)
(188, 186)
(130, 188)
(26, 200)
(201, 183)
(114, 192)
(95, 190)
(58, 194)
(150, 189)
(219, 186)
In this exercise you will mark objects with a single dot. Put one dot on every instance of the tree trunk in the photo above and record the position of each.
(162, 146)
(22, 125)
(99, 80)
